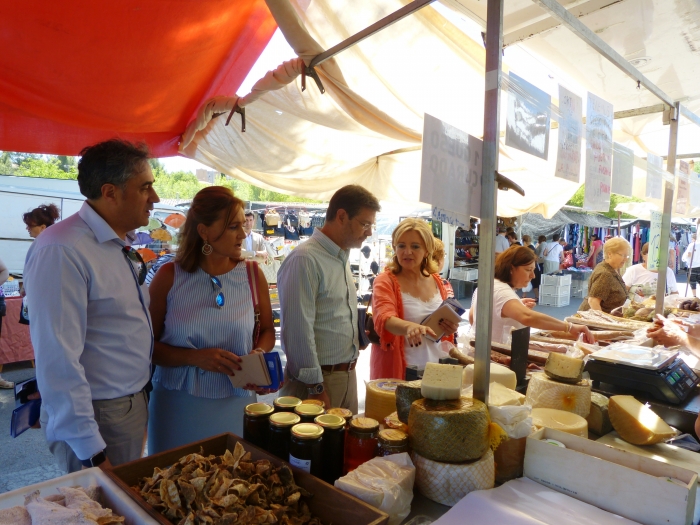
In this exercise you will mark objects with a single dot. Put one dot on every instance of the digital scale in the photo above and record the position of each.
(661, 374)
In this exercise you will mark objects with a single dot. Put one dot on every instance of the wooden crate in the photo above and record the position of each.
(328, 503)
(618, 481)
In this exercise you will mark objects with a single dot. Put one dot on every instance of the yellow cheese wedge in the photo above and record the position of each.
(636, 423)
(498, 373)
(560, 420)
(499, 395)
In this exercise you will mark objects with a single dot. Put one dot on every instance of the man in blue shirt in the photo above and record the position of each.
(88, 304)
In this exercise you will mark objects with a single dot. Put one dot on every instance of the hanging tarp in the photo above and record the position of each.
(534, 224)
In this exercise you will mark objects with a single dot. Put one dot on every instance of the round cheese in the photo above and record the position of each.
(447, 483)
(381, 398)
(454, 430)
(636, 423)
(406, 394)
(543, 392)
(560, 420)
(498, 373)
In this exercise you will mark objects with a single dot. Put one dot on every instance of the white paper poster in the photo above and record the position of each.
(599, 122)
(450, 171)
(655, 241)
(694, 192)
(683, 193)
(623, 169)
(654, 176)
(569, 148)
(528, 121)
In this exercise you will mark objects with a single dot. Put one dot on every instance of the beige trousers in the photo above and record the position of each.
(341, 388)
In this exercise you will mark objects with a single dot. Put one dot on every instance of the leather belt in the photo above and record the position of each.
(341, 367)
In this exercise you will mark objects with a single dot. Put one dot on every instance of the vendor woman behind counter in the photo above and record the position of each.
(515, 267)
(639, 274)
(606, 289)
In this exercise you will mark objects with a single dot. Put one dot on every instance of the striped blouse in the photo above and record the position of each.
(193, 320)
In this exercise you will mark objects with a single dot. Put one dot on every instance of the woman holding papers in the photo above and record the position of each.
(514, 269)
(203, 320)
(408, 291)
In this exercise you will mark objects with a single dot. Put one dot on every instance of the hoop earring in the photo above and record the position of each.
(207, 248)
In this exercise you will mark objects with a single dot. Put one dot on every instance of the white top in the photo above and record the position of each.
(695, 256)
(502, 244)
(415, 310)
(502, 293)
(637, 274)
(554, 250)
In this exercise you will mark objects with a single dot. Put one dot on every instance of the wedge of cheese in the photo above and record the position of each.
(498, 373)
(499, 395)
(637, 423)
(406, 394)
(598, 418)
(543, 392)
(563, 368)
(441, 382)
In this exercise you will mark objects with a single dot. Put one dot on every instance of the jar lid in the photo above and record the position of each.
(259, 409)
(364, 424)
(287, 402)
(284, 419)
(309, 410)
(313, 402)
(342, 412)
(307, 431)
(330, 421)
(393, 437)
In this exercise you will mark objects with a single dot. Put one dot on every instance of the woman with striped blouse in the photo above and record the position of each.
(203, 320)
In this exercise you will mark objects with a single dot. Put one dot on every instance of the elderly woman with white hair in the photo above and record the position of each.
(606, 289)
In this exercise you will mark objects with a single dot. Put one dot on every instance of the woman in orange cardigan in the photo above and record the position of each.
(407, 292)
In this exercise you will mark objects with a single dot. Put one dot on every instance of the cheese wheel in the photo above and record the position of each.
(499, 395)
(598, 418)
(381, 398)
(499, 374)
(543, 392)
(560, 420)
(448, 483)
(406, 394)
(637, 423)
(454, 430)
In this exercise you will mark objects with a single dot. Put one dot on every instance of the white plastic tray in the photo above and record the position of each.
(112, 496)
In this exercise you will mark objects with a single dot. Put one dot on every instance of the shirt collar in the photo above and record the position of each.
(103, 231)
(329, 245)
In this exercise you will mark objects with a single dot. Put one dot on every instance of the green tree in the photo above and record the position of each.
(45, 168)
(6, 166)
(177, 185)
(67, 163)
(615, 199)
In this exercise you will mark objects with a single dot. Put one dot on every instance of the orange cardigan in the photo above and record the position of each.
(388, 359)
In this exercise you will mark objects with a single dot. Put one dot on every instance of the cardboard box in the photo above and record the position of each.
(618, 481)
(113, 497)
(328, 503)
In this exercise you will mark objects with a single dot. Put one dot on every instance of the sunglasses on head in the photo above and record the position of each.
(135, 256)
(216, 284)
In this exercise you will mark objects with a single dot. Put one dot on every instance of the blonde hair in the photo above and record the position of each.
(428, 266)
(439, 252)
(615, 245)
(527, 240)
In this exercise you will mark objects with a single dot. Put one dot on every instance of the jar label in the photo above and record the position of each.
(303, 464)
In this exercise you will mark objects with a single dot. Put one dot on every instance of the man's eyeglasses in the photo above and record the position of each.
(135, 257)
(367, 226)
(216, 284)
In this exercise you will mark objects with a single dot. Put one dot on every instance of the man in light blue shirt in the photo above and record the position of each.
(318, 303)
(90, 328)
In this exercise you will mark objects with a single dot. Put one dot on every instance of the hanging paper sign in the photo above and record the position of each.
(623, 168)
(569, 147)
(529, 114)
(450, 171)
(655, 241)
(654, 176)
(683, 194)
(599, 122)
(694, 192)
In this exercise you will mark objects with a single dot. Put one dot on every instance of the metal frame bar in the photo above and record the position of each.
(689, 115)
(487, 237)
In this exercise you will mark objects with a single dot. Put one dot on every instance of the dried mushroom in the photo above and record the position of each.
(227, 490)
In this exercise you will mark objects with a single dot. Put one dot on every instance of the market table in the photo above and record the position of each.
(15, 343)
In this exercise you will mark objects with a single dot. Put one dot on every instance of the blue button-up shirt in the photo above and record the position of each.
(90, 325)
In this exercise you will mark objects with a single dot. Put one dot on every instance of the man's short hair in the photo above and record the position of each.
(555, 237)
(114, 161)
(352, 199)
(501, 229)
(249, 213)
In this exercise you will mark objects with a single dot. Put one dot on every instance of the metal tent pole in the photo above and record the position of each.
(487, 230)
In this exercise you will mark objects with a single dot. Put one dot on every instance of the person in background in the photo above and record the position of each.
(535, 282)
(672, 253)
(254, 242)
(512, 239)
(502, 243)
(4, 274)
(318, 303)
(606, 289)
(639, 274)
(439, 258)
(567, 255)
(691, 257)
(156, 265)
(514, 269)
(409, 290)
(94, 342)
(203, 321)
(552, 255)
(595, 254)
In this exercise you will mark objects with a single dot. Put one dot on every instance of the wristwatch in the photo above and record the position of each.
(95, 460)
(315, 389)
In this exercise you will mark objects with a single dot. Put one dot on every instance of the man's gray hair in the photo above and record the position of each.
(114, 161)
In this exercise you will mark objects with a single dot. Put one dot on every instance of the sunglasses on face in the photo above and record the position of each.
(135, 257)
(216, 284)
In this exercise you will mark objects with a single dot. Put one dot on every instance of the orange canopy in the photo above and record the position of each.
(74, 73)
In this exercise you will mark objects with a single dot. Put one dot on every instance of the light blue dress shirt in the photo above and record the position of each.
(90, 325)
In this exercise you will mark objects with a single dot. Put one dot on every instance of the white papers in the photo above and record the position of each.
(683, 193)
(450, 171)
(569, 148)
(623, 169)
(254, 372)
(529, 112)
(655, 243)
(599, 122)
(654, 176)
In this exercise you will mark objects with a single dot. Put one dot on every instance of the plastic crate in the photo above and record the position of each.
(556, 280)
(552, 289)
(554, 300)
(579, 289)
(10, 287)
(472, 275)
